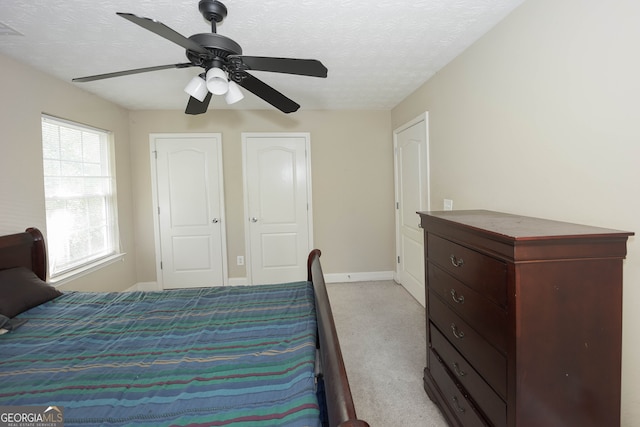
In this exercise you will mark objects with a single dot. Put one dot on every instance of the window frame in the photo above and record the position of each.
(114, 252)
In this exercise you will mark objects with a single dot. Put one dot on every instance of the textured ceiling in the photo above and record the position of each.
(377, 52)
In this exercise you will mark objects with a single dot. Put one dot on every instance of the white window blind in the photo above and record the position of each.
(80, 198)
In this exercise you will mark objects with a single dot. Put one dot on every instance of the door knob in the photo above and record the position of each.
(254, 219)
(215, 220)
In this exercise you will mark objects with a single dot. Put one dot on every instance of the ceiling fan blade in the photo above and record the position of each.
(267, 93)
(303, 67)
(196, 107)
(127, 72)
(163, 31)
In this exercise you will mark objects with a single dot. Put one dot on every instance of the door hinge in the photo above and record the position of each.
(397, 205)
(160, 265)
(398, 260)
(158, 210)
(155, 153)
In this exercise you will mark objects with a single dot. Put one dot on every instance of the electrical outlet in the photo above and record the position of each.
(240, 260)
(448, 204)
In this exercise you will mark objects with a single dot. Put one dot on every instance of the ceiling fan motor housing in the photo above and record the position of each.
(220, 47)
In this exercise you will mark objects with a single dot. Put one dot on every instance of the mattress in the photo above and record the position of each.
(194, 357)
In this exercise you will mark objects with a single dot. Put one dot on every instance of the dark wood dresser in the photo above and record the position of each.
(524, 320)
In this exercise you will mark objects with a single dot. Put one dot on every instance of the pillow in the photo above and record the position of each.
(21, 289)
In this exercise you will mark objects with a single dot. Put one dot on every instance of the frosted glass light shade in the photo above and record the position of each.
(234, 94)
(197, 88)
(217, 81)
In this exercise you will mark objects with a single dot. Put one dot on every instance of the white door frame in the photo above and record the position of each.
(422, 117)
(247, 231)
(154, 194)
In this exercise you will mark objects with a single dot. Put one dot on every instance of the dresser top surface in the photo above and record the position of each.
(517, 227)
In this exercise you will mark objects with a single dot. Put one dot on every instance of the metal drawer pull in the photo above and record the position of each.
(458, 408)
(457, 262)
(457, 299)
(456, 332)
(459, 372)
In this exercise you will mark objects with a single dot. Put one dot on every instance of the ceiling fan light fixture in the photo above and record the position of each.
(197, 88)
(234, 94)
(217, 81)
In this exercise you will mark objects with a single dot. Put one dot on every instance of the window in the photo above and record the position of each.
(79, 187)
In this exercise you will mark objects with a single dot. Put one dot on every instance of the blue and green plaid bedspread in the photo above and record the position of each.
(195, 357)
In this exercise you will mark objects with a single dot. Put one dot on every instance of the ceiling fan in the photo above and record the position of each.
(224, 65)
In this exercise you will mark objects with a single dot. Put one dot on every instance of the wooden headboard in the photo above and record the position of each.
(24, 250)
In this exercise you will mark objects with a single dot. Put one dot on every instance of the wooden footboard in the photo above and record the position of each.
(340, 405)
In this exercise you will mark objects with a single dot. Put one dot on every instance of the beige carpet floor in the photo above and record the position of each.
(381, 329)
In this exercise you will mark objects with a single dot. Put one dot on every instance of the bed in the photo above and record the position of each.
(243, 356)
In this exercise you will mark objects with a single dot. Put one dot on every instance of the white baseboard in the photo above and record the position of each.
(371, 276)
(335, 278)
(329, 278)
(144, 286)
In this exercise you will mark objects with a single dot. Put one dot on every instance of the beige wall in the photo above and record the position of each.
(352, 177)
(352, 173)
(25, 95)
(540, 117)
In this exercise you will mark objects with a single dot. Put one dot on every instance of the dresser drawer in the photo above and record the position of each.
(463, 409)
(487, 360)
(486, 275)
(489, 319)
(494, 408)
